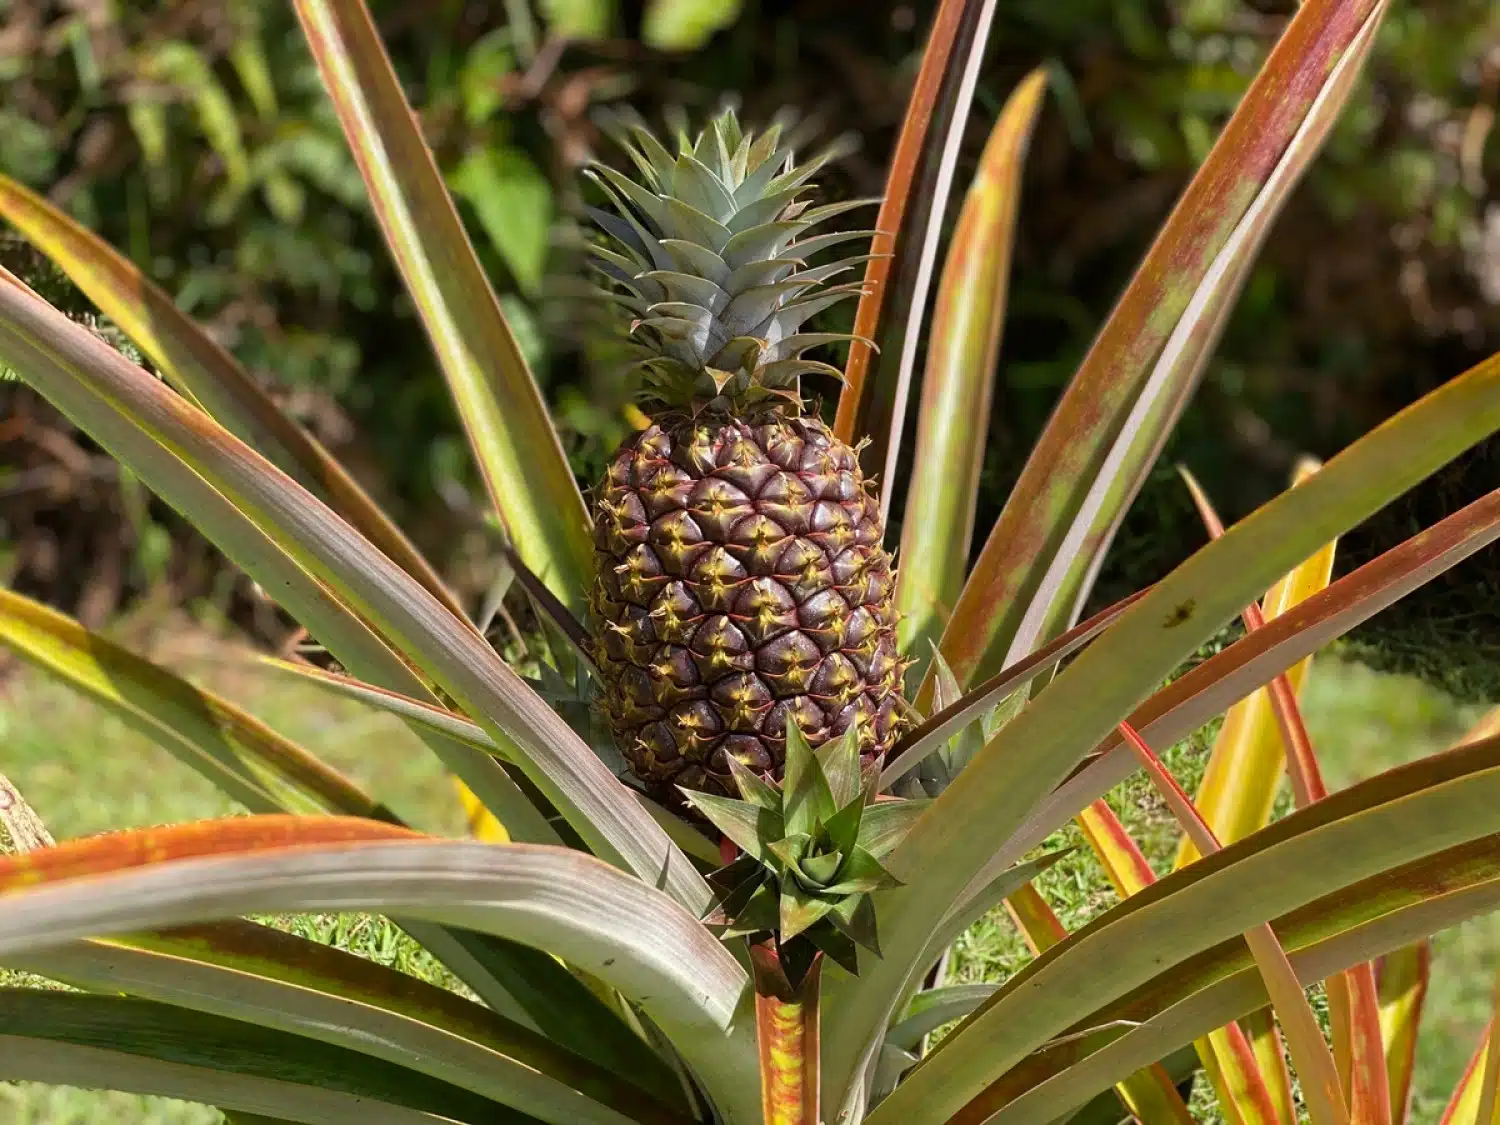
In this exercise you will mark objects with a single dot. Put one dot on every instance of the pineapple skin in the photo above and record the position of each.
(740, 584)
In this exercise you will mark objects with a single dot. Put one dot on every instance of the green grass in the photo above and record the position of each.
(86, 773)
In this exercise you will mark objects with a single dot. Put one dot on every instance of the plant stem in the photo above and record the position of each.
(786, 1024)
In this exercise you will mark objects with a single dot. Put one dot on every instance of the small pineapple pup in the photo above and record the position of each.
(741, 585)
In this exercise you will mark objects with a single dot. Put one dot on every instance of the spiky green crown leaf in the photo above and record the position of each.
(812, 847)
(938, 770)
(709, 254)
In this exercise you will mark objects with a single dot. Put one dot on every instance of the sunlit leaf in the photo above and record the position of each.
(901, 190)
(1114, 414)
(1227, 1056)
(204, 370)
(1149, 1095)
(962, 365)
(92, 383)
(518, 450)
(604, 922)
(1321, 1087)
(1009, 782)
(231, 748)
(1325, 937)
(1353, 1007)
(248, 972)
(1349, 846)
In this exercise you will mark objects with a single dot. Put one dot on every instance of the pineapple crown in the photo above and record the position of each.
(812, 848)
(709, 253)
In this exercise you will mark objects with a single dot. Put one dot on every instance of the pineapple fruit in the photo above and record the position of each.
(741, 583)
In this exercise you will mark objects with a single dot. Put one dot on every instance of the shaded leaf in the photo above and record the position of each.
(303, 1072)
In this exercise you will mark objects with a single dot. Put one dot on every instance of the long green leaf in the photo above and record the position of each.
(136, 1045)
(1227, 1054)
(1246, 763)
(335, 626)
(205, 371)
(890, 249)
(518, 451)
(1149, 1095)
(543, 994)
(444, 722)
(982, 901)
(1353, 1005)
(1181, 1066)
(1208, 689)
(343, 631)
(962, 365)
(247, 972)
(202, 368)
(1321, 1087)
(523, 822)
(474, 958)
(885, 401)
(967, 826)
(209, 733)
(1177, 371)
(1327, 936)
(1036, 540)
(929, 1010)
(120, 405)
(593, 916)
(943, 724)
(1362, 833)
(430, 716)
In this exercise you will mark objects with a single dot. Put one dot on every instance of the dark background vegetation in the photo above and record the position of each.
(194, 135)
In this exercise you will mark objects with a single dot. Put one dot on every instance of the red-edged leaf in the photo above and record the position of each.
(1489, 1083)
(1262, 1038)
(1315, 1064)
(1353, 1006)
(962, 365)
(202, 368)
(1377, 915)
(929, 735)
(1402, 978)
(1463, 1106)
(1149, 1096)
(900, 186)
(1065, 464)
(118, 851)
(1194, 698)
(1226, 1054)
(514, 442)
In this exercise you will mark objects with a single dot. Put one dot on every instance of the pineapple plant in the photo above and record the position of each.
(741, 586)
(619, 971)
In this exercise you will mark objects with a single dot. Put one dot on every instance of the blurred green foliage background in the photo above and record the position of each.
(195, 136)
